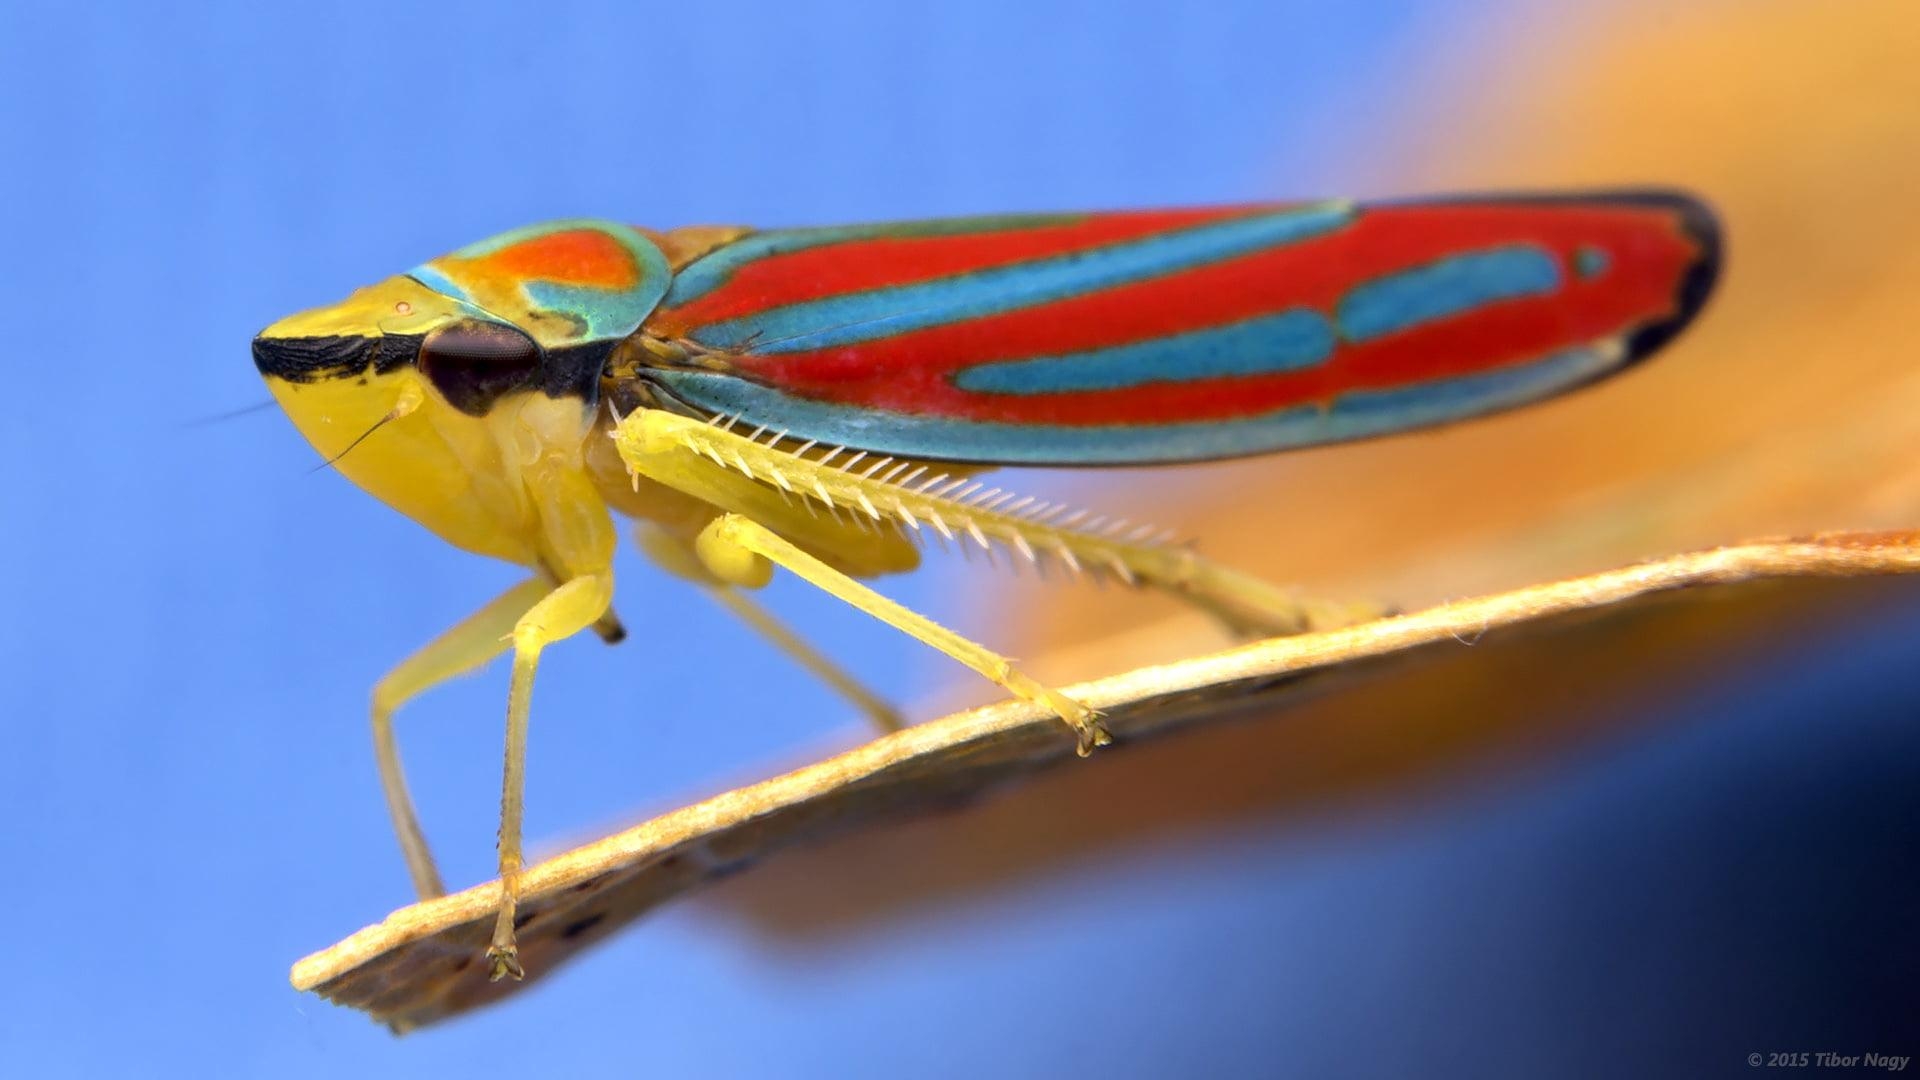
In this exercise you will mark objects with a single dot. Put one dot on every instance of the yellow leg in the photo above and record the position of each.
(562, 613)
(738, 550)
(676, 557)
(1249, 607)
(709, 461)
(470, 644)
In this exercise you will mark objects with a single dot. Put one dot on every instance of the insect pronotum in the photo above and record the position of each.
(824, 400)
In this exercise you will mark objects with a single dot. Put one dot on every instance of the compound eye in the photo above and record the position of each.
(473, 362)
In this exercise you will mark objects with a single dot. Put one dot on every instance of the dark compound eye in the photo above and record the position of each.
(473, 362)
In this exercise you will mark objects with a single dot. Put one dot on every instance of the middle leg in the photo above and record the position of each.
(739, 550)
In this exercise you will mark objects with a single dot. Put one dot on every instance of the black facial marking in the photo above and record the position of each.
(575, 370)
(474, 362)
(396, 351)
(311, 359)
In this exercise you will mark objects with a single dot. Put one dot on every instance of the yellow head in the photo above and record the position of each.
(435, 389)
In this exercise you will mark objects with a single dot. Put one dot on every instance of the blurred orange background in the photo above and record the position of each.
(1788, 409)
(1792, 407)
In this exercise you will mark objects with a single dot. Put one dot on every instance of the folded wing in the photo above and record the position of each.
(1143, 337)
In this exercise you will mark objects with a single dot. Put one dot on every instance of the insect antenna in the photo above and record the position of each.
(230, 414)
(410, 399)
(335, 459)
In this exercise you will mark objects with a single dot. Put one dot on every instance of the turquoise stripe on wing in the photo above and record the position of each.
(1445, 289)
(1290, 341)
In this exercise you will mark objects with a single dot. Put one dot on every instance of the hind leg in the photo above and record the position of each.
(740, 550)
(1246, 605)
(678, 557)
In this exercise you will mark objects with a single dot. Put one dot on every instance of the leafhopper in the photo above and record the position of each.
(825, 400)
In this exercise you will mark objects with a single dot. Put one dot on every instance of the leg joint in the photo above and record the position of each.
(722, 552)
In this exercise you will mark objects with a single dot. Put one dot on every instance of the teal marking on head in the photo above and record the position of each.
(433, 279)
(1445, 289)
(601, 314)
(1289, 341)
(593, 313)
(1590, 262)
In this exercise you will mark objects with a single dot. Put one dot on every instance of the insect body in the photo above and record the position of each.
(823, 400)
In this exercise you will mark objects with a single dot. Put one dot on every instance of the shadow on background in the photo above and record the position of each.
(1390, 746)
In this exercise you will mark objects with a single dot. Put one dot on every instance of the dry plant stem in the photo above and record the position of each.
(412, 968)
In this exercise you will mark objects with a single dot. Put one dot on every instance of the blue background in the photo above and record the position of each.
(195, 615)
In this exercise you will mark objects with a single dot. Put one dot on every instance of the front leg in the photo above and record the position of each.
(576, 541)
(564, 612)
(476, 640)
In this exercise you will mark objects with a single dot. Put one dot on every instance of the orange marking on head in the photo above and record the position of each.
(575, 257)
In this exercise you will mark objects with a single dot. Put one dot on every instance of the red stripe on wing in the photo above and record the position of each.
(859, 265)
